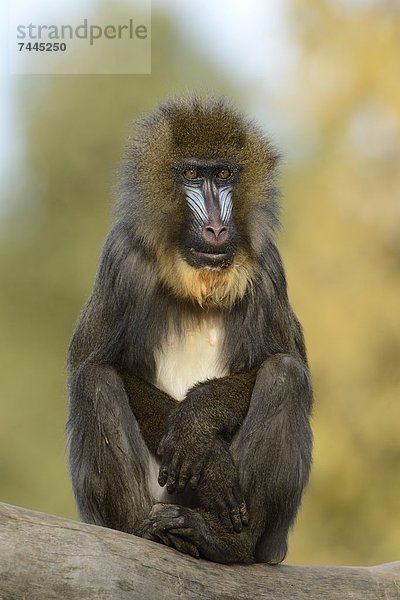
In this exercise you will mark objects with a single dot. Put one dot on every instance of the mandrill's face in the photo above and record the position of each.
(208, 237)
(199, 194)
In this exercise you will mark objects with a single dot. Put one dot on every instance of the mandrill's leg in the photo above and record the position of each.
(108, 456)
(272, 451)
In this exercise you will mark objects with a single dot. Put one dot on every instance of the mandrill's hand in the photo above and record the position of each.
(184, 448)
(212, 410)
(193, 452)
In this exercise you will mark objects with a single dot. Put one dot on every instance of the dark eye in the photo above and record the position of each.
(224, 173)
(190, 174)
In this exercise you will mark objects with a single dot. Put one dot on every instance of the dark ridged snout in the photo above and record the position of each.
(214, 233)
(209, 235)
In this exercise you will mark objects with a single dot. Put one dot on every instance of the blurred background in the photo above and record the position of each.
(322, 77)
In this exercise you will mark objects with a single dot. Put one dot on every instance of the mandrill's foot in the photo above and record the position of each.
(172, 525)
(196, 532)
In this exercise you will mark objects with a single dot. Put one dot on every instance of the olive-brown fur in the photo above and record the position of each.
(235, 453)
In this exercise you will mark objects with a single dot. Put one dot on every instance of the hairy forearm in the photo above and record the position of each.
(222, 403)
(150, 406)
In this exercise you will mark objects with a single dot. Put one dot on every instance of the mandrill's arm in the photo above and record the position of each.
(211, 409)
(195, 447)
(150, 406)
(193, 437)
(220, 405)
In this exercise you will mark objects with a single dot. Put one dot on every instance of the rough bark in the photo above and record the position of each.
(44, 557)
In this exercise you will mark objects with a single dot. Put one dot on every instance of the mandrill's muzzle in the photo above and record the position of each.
(209, 240)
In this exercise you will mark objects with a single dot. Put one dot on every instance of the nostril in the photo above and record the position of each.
(216, 231)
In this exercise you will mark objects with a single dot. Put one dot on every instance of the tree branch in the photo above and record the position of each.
(43, 557)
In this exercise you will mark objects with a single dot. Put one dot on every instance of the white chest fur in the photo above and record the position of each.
(188, 358)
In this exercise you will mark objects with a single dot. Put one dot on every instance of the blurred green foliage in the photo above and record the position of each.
(342, 250)
(340, 242)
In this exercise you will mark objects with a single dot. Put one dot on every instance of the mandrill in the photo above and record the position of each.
(190, 394)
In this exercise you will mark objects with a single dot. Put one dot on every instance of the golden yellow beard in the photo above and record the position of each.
(207, 287)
